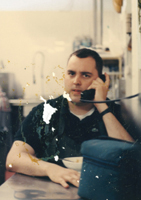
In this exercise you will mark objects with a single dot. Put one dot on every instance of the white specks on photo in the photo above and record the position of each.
(53, 129)
(41, 98)
(96, 176)
(63, 147)
(67, 96)
(56, 158)
(48, 112)
(51, 97)
(10, 165)
(53, 74)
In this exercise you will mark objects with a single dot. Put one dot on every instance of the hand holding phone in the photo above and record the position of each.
(89, 94)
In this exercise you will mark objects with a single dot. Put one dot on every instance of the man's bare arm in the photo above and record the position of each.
(113, 126)
(22, 159)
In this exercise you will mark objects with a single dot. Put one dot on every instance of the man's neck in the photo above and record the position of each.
(80, 108)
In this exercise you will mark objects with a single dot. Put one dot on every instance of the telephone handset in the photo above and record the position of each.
(89, 94)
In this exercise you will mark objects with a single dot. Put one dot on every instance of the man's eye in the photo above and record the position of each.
(86, 75)
(71, 73)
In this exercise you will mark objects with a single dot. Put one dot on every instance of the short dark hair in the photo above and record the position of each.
(84, 53)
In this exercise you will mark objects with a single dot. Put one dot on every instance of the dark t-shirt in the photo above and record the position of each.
(65, 133)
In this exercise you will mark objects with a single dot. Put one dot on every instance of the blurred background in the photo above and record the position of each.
(37, 37)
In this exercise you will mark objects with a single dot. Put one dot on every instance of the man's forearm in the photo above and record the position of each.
(27, 164)
(115, 129)
(113, 126)
(21, 159)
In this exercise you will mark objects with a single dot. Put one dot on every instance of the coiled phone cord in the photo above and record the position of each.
(106, 101)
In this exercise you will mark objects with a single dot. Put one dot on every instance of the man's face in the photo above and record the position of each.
(80, 73)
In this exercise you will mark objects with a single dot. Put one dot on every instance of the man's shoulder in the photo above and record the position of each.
(52, 102)
(55, 102)
(38, 110)
(36, 114)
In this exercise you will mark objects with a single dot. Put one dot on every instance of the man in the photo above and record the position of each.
(37, 144)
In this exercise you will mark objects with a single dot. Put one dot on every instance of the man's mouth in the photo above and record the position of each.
(75, 91)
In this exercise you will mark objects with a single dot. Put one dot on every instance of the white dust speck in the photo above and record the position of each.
(66, 95)
(56, 139)
(51, 97)
(10, 165)
(53, 74)
(56, 158)
(53, 129)
(63, 147)
(48, 112)
(41, 98)
(96, 176)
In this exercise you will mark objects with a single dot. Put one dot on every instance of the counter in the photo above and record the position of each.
(22, 102)
(26, 188)
(27, 104)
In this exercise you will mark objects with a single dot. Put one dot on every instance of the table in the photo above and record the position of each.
(24, 187)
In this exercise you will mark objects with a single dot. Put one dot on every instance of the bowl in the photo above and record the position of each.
(73, 163)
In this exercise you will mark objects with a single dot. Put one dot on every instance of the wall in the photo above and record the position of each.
(113, 29)
(25, 33)
(136, 43)
(132, 58)
(34, 45)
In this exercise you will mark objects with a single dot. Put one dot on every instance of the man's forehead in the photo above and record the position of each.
(75, 58)
(81, 63)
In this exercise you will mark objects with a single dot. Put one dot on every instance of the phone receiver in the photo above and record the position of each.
(89, 94)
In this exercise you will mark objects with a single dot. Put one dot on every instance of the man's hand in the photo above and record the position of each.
(101, 90)
(63, 175)
(22, 159)
(113, 126)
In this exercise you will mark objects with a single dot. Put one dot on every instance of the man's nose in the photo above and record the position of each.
(77, 80)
